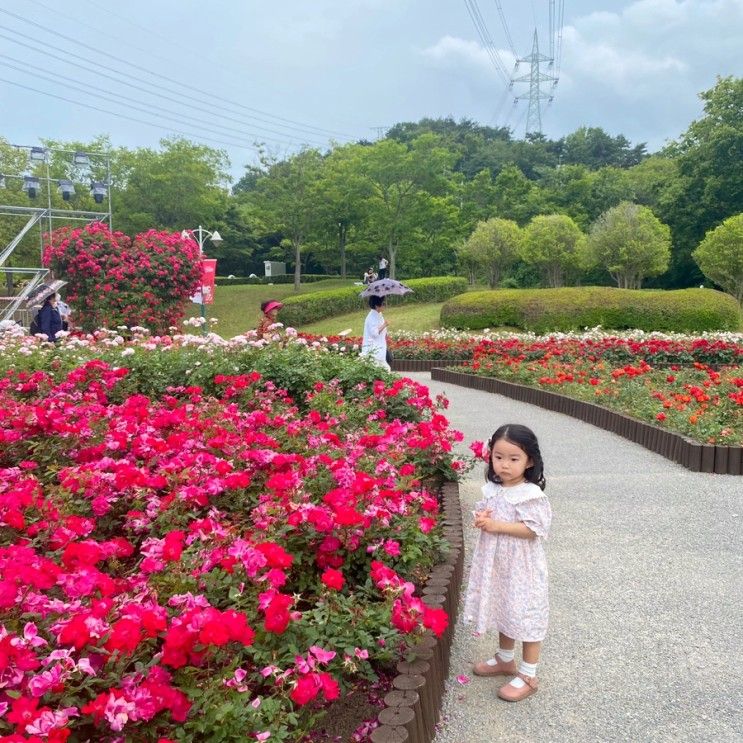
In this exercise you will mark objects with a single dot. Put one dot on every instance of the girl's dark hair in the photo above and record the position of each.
(375, 302)
(525, 439)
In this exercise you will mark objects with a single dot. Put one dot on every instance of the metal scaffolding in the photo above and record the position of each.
(21, 281)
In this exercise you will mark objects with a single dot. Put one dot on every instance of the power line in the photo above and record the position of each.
(560, 24)
(172, 80)
(168, 114)
(482, 30)
(129, 118)
(93, 65)
(505, 27)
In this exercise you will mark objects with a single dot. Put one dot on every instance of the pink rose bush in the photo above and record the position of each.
(199, 566)
(114, 279)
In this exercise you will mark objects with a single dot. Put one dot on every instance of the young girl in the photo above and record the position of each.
(270, 309)
(507, 589)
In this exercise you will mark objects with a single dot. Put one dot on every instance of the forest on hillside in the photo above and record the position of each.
(416, 195)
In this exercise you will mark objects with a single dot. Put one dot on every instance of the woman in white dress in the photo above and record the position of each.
(374, 343)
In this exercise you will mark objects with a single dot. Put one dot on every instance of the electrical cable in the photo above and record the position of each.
(505, 28)
(96, 71)
(482, 30)
(168, 114)
(211, 95)
(560, 24)
(129, 118)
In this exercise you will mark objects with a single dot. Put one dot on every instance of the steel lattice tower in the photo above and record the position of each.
(535, 78)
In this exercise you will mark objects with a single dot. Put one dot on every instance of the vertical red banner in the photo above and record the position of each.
(208, 278)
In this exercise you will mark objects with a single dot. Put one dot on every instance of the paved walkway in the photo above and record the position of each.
(646, 584)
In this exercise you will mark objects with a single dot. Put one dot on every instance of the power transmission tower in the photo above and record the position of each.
(535, 78)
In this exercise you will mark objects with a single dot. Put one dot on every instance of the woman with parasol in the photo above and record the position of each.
(374, 343)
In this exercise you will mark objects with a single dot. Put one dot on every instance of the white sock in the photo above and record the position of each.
(505, 655)
(528, 669)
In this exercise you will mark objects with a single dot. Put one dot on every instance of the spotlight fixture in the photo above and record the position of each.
(38, 154)
(31, 186)
(98, 191)
(82, 159)
(67, 189)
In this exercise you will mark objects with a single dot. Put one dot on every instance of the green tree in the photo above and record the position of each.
(594, 148)
(342, 198)
(398, 175)
(720, 256)
(711, 178)
(516, 197)
(286, 200)
(553, 243)
(493, 248)
(180, 186)
(631, 243)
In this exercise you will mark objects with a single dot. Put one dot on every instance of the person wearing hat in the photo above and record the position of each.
(270, 309)
(49, 319)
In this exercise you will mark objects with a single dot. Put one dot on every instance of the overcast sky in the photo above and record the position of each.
(288, 72)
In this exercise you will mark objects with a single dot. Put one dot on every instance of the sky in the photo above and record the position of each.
(291, 73)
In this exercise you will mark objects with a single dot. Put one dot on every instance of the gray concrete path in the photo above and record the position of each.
(646, 594)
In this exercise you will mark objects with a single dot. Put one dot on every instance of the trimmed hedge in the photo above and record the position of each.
(574, 308)
(287, 278)
(307, 308)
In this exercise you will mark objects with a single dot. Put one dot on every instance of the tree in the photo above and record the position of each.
(710, 186)
(553, 242)
(631, 243)
(286, 197)
(342, 194)
(720, 256)
(181, 186)
(594, 148)
(516, 197)
(493, 248)
(398, 174)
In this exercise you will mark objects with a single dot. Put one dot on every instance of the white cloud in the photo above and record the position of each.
(453, 52)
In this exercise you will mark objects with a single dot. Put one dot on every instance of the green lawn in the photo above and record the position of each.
(238, 308)
(412, 317)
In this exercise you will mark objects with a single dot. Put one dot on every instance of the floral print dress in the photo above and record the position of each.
(507, 589)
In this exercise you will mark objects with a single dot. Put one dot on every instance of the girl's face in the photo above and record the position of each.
(509, 462)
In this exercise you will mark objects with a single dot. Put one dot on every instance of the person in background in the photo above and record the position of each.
(49, 319)
(374, 343)
(383, 263)
(64, 312)
(270, 309)
(369, 276)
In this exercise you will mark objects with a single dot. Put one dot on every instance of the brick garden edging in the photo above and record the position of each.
(412, 708)
(723, 460)
(416, 365)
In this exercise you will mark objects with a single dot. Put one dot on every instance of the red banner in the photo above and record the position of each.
(208, 278)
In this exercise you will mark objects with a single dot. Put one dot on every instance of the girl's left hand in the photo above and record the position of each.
(483, 521)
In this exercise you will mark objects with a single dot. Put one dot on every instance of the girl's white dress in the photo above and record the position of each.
(507, 589)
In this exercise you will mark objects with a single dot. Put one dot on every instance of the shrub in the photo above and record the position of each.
(546, 310)
(308, 308)
(114, 279)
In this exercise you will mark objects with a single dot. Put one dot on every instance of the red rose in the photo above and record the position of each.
(333, 579)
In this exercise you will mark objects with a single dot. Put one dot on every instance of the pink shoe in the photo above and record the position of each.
(499, 668)
(511, 694)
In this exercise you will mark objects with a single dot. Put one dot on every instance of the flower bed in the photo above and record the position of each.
(209, 562)
(655, 348)
(697, 401)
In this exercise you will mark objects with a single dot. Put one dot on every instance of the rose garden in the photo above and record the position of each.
(212, 539)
